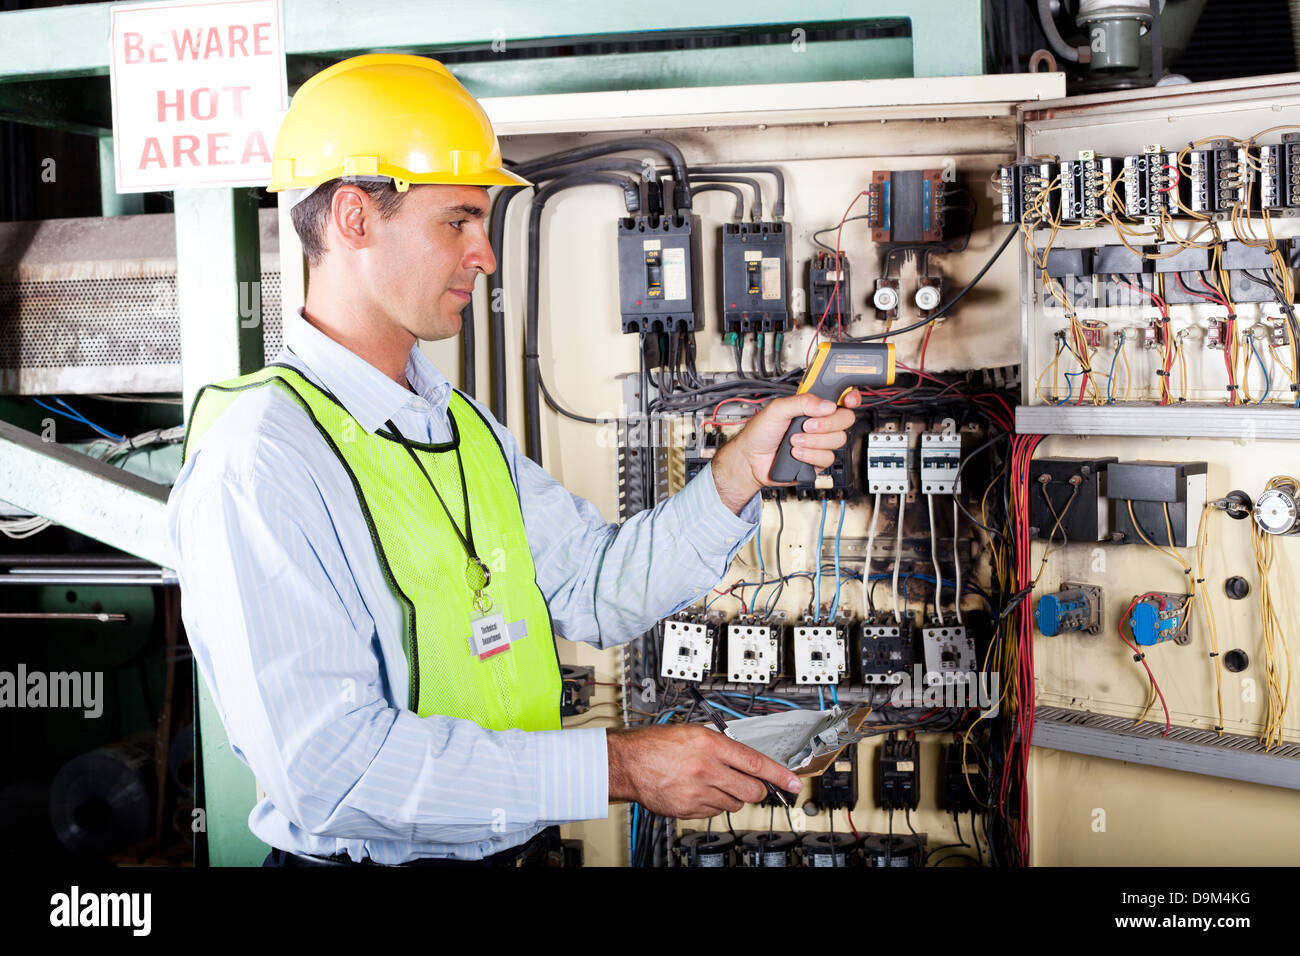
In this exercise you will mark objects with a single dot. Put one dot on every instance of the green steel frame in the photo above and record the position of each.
(52, 61)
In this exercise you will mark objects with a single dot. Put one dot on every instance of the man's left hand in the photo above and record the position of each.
(741, 467)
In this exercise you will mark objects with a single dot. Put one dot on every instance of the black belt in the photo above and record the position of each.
(541, 850)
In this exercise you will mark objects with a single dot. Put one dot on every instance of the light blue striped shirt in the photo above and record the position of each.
(300, 640)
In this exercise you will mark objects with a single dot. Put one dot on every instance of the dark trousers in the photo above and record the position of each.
(542, 850)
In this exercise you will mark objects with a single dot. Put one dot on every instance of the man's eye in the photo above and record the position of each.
(458, 223)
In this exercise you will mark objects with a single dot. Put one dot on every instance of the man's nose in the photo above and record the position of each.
(480, 255)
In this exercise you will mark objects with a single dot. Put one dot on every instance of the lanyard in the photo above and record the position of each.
(477, 574)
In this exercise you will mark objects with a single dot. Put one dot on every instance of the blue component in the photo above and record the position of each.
(884, 206)
(1148, 627)
(1048, 615)
(1062, 611)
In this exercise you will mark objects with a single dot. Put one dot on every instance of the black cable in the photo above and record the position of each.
(496, 300)
(468, 368)
(723, 187)
(778, 210)
(667, 149)
(944, 309)
(532, 369)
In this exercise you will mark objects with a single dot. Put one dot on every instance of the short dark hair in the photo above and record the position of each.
(311, 216)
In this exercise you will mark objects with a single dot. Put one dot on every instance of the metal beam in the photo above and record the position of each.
(947, 35)
(1148, 420)
(218, 287)
(1231, 756)
(84, 494)
(112, 202)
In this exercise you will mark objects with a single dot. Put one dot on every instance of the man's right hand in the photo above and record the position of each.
(689, 771)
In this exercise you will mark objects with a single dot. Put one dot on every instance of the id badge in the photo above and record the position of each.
(488, 635)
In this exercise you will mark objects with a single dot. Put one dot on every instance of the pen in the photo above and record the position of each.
(722, 726)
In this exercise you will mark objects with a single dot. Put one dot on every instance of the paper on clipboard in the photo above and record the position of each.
(803, 741)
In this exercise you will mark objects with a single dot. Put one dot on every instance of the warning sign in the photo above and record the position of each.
(198, 93)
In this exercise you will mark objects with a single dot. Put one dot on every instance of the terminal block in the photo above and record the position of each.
(1022, 185)
(820, 652)
(1279, 176)
(940, 460)
(753, 650)
(1085, 188)
(886, 651)
(755, 281)
(690, 646)
(1217, 179)
(949, 655)
(888, 454)
(1150, 181)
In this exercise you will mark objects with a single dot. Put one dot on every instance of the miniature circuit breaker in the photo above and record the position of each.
(940, 461)
(887, 463)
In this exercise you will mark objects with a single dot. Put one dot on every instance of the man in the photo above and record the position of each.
(371, 569)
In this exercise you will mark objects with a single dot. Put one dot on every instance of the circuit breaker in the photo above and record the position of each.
(820, 653)
(659, 273)
(755, 277)
(753, 651)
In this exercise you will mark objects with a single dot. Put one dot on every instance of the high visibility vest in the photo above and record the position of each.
(423, 560)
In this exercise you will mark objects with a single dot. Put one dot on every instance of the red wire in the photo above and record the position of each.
(925, 343)
(835, 296)
(1141, 656)
(1216, 298)
(713, 419)
(849, 813)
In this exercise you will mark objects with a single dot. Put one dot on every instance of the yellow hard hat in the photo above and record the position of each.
(387, 114)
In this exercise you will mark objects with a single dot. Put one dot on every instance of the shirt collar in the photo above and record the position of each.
(369, 396)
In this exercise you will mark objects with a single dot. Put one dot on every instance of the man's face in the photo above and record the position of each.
(423, 260)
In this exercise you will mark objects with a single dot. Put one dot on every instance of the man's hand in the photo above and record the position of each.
(689, 771)
(741, 467)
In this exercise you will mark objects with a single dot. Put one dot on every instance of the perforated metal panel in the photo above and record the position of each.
(102, 334)
(89, 305)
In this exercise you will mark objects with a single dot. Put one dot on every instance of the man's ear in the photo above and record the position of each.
(351, 216)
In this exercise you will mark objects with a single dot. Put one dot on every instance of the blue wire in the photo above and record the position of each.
(1111, 377)
(726, 710)
(76, 416)
(817, 582)
(1070, 394)
(821, 701)
(1262, 368)
(774, 700)
(835, 696)
(835, 605)
(634, 814)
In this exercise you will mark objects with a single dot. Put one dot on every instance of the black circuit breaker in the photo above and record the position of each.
(898, 785)
(1084, 515)
(1157, 490)
(887, 651)
(659, 273)
(755, 277)
(837, 788)
(965, 787)
(824, 305)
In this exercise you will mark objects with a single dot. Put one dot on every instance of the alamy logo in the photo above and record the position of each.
(922, 689)
(75, 908)
(59, 689)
